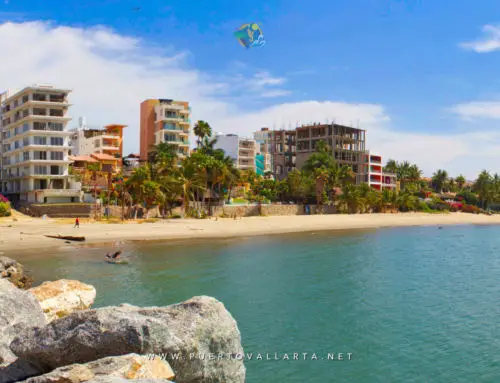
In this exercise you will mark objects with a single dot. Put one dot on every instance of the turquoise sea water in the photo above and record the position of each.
(410, 304)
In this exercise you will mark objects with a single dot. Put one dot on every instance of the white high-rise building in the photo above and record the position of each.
(34, 146)
(241, 150)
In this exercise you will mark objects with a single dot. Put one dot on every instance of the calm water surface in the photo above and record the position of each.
(410, 304)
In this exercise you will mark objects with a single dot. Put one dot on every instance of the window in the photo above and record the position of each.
(54, 170)
(39, 126)
(26, 127)
(57, 112)
(39, 97)
(40, 169)
(56, 141)
(56, 127)
(39, 112)
(25, 99)
(57, 156)
(16, 131)
(26, 156)
(40, 140)
(17, 145)
(26, 141)
(97, 143)
(40, 155)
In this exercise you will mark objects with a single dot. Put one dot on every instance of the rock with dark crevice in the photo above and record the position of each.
(187, 334)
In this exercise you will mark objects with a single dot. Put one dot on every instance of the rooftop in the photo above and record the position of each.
(82, 159)
(104, 157)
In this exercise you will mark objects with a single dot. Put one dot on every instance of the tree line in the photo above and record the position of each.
(209, 177)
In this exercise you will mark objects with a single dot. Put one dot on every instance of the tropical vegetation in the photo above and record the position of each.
(208, 177)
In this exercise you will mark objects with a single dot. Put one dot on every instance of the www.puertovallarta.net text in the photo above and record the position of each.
(340, 356)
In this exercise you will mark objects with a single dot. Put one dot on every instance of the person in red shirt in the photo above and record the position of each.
(77, 223)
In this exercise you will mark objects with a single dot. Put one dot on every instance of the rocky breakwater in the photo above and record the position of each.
(113, 344)
(62, 297)
(13, 271)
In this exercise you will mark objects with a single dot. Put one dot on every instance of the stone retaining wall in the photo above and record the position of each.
(58, 210)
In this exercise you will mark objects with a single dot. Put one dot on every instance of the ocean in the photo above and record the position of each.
(415, 304)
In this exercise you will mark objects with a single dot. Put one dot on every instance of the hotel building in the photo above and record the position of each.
(165, 121)
(243, 151)
(375, 175)
(34, 146)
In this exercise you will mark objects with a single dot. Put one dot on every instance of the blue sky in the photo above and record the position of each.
(401, 69)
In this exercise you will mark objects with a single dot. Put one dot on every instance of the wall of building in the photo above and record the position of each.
(229, 144)
(147, 127)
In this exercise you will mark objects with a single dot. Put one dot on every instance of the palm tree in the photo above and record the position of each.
(460, 180)
(391, 166)
(163, 157)
(439, 179)
(407, 202)
(202, 130)
(414, 173)
(483, 187)
(350, 200)
(192, 181)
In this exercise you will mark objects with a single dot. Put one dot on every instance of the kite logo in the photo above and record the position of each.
(250, 35)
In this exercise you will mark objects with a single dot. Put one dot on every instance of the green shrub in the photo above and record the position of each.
(469, 197)
(175, 216)
(4, 209)
(424, 207)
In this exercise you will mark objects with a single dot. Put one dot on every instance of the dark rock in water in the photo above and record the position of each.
(14, 272)
(19, 310)
(200, 326)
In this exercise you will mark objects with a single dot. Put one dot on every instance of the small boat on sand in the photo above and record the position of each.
(67, 237)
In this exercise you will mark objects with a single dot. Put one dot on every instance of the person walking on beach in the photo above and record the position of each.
(77, 223)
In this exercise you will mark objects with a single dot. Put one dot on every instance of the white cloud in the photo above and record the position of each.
(490, 42)
(478, 109)
(275, 93)
(111, 74)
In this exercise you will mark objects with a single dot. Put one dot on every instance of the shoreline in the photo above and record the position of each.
(28, 233)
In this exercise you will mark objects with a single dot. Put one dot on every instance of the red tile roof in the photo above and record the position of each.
(104, 157)
(82, 159)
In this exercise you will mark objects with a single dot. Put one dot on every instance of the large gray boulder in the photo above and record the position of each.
(198, 337)
(19, 310)
(13, 271)
(112, 379)
(131, 366)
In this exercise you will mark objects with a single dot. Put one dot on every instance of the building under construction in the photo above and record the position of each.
(290, 149)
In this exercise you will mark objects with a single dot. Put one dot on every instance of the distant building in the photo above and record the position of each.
(242, 150)
(96, 171)
(375, 176)
(290, 149)
(165, 121)
(108, 140)
(263, 157)
(34, 146)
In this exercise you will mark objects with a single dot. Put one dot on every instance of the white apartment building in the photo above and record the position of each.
(34, 146)
(242, 150)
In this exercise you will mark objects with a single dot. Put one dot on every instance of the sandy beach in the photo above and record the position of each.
(25, 233)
